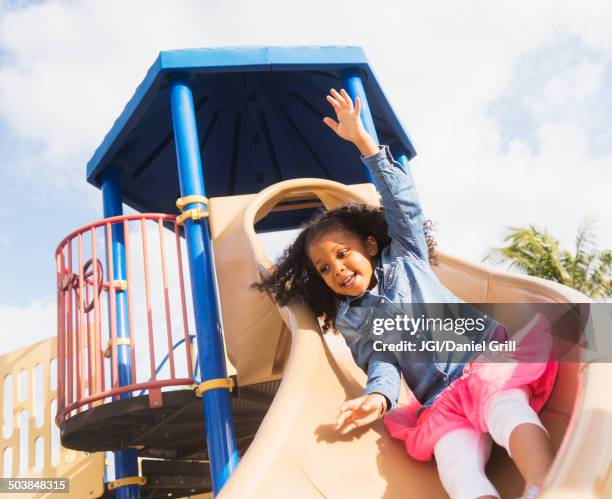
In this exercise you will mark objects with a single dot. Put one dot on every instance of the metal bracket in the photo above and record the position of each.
(127, 481)
(119, 341)
(214, 384)
(195, 214)
(182, 202)
(120, 285)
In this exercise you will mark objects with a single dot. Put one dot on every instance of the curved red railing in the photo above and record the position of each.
(156, 316)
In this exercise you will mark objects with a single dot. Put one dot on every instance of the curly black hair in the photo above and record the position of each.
(295, 279)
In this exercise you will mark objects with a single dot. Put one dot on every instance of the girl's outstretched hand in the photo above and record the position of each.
(360, 412)
(349, 125)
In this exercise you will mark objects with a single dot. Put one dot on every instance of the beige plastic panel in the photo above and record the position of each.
(297, 454)
(584, 466)
(471, 283)
(85, 471)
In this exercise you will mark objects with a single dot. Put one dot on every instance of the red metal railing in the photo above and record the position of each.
(157, 312)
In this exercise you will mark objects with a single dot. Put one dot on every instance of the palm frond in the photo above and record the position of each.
(535, 252)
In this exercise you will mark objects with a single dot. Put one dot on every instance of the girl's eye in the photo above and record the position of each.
(343, 253)
(323, 269)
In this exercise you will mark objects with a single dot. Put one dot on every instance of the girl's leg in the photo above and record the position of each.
(461, 456)
(514, 425)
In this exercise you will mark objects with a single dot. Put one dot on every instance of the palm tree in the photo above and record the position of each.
(538, 254)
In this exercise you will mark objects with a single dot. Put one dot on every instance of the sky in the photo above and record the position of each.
(507, 103)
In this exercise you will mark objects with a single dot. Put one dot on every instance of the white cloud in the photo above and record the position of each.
(442, 67)
(22, 326)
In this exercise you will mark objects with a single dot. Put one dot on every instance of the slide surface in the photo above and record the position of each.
(297, 453)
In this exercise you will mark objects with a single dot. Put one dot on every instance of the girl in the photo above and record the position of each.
(356, 259)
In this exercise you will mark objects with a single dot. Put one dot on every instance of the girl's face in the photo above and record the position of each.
(344, 261)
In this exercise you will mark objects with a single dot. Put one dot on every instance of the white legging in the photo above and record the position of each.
(461, 455)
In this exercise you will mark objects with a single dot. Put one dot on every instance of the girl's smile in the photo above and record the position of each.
(344, 261)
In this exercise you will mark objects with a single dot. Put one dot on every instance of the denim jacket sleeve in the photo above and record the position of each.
(399, 197)
(384, 378)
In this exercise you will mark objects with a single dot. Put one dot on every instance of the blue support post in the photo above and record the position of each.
(352, 83)
(220, 434)
(126, 461)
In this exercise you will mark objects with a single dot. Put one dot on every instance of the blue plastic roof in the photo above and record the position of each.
(259, 112)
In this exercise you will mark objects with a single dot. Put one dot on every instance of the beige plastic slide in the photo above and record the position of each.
(296, 453)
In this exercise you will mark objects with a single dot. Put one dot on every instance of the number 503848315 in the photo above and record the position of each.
(25, 485)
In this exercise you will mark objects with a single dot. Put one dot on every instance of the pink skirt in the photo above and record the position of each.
(464, 402)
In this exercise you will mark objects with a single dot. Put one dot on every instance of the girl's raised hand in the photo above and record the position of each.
(349, 125)
(360, 412)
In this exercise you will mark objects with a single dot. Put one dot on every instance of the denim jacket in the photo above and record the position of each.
(404, 278)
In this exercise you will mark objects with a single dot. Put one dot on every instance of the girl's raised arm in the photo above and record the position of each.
(395, 183)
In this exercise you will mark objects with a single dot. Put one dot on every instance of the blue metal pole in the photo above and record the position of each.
(126, 461)
(220, 434)
(111, 198)
(351, 80)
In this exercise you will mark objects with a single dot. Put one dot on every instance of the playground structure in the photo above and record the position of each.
(215, 148)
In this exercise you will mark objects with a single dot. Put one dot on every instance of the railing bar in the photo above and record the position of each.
(162, 247)
(188, 382)
(99, 351)
(118, 218)
(80, 320)
(112, 306)
(183, 300)
(69, 328)
(75, 348)
(90, 342)
(90, 356)
(128, 265)
(145, 251)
